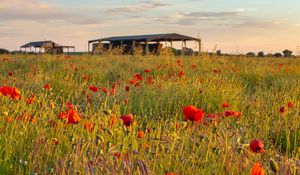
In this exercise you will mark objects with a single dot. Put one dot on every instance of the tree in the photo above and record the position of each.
(3, 51)
(287, 53)
(250, 54)
(277, 55)
(261, 54)
(219, 53)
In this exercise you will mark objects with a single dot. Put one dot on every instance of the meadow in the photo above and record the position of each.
(149, 115)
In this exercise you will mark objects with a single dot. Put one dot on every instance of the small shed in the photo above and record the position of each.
(149, 43)
(46, 47)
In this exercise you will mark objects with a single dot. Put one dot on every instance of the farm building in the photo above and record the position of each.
(46, 47)
(147, 43)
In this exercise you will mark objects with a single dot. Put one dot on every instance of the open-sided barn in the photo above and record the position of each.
(149, 43)
(45, 46)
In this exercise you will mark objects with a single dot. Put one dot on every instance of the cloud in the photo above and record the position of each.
(30, 10)
(35, 11)
(140, 7)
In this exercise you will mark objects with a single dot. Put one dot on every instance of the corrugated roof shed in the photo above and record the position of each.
(36, 44)
(149, 38)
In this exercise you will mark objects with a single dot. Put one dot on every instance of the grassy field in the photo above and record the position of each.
(124, 115)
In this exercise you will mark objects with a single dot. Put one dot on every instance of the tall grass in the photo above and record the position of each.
(255, 87)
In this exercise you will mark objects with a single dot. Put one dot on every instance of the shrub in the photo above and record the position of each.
(3, 51)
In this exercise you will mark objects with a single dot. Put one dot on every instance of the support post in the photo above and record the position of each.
(147, 47)
(199, 46)
(121, 47)
(88, 47)
(133, 46)
(182, 49)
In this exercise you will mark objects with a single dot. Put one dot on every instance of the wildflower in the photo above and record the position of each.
(257, 146)
(147, 70)
(290, 104)
(181, 74)
(193, 114)
(282, 109)
(238, 114)
(47, 86)
(54, 141)
(85, 77)
(8, 119)
(117, 155)
(229, 113)
(105, 91)
(89, 126)
(93, 88)
(12, 92)
(113, 91)
(112, 120)
(30, 100)
(138, 77)
(141, 134)
(10, 74)
(193, 66)
(225, 105)
(70, 115)
(127, 89)
(127, 119)
(257, 169)
(131, 81)
(150, 80)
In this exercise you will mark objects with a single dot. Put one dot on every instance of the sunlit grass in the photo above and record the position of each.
(255, 87)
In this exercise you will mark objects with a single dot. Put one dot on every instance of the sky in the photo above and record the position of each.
(233, 26)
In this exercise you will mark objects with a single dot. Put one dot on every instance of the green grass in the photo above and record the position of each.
(256, 87)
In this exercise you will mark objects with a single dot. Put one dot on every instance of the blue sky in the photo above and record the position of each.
(234, 26)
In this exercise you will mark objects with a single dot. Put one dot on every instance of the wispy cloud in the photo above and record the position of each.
(140, 7)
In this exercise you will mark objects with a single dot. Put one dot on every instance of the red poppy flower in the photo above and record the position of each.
(225, 105)
(127, 89)
(113, 91)
(117, 155)
(127, 119)
(12, 92)
(141, 134)
(282, 109)
(93, 88)
(257, 146)
(229, 113)
(89, 126)
(238, 114)
(105, 91)
(147, 70)
(181, 74)
(138, 77)
(30, 100)
(290, 105)
(150, 80)
(193, 114)
(71, 115)
(10, 74)
(85, 77)
(132, 82)
(193, 66)
(257, 169)
(47, 86)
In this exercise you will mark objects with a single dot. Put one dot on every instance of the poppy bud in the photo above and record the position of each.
(273, 165)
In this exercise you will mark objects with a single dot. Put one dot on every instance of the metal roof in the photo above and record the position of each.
(151, 37)
(36, 44)
(42, 43)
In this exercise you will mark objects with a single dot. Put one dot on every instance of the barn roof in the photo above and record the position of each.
(35, 44)
(151, 37)
(42, 43)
